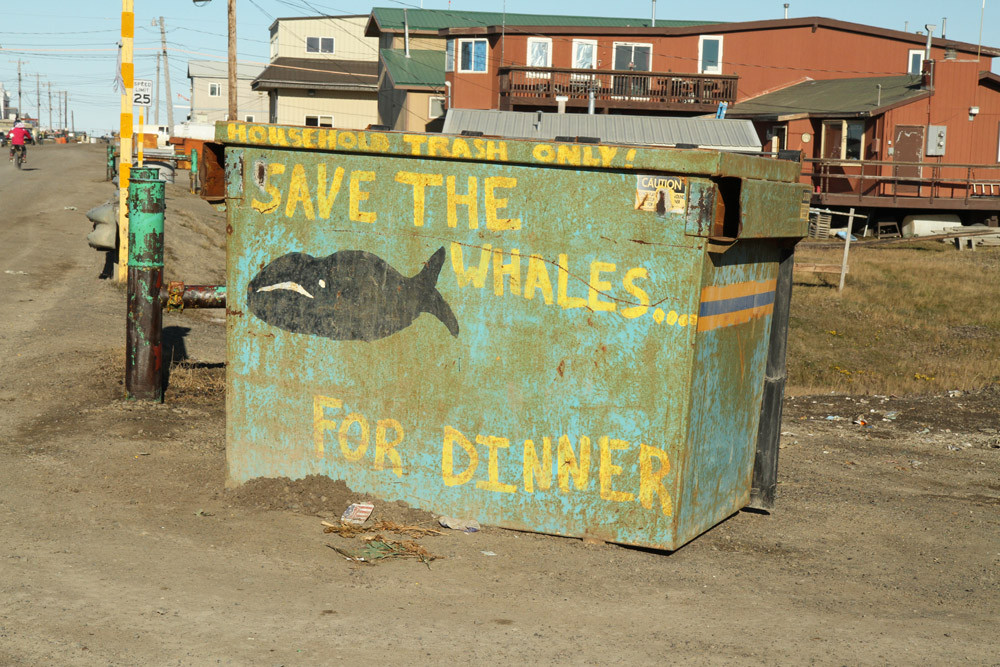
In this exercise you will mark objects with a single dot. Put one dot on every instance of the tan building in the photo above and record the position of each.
(322, 73)
(412, 95)
(210, 92)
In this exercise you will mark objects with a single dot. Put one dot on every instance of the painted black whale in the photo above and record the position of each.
(349, 295)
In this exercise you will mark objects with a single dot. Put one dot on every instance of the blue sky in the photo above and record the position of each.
(71, 44)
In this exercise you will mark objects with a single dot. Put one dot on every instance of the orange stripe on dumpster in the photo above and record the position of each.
(729, 305)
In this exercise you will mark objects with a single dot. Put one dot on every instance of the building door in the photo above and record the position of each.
(636, 57)
(908, 146)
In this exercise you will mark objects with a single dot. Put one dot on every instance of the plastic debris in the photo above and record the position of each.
(488, 553)
(465, 525)
(954, 448)
(357, 513)
(954, 393)
(834, 418)
(891, 415)
(924, 432)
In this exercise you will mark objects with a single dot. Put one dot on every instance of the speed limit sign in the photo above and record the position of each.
(142, 92)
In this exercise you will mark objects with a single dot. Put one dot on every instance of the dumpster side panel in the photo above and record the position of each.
(504, 342)
(727, 379)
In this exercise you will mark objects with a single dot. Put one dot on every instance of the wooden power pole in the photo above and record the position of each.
(166, 78)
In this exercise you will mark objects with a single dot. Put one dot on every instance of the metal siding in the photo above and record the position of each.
(515, 368)
(637, 130)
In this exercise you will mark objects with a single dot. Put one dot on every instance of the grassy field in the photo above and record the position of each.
(914, 318)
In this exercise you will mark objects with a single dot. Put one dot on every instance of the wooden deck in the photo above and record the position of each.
(624, 90)
(877, 184)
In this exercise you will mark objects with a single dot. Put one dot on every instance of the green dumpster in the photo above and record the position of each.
(559, 337)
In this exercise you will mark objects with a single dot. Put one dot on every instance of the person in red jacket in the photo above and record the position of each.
(18, 137)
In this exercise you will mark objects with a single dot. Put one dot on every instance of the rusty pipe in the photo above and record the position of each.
(177, 296)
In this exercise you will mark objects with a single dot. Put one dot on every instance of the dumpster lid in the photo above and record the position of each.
(615, 157)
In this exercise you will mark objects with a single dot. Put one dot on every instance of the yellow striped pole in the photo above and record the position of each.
(125, 137)
(138, 144)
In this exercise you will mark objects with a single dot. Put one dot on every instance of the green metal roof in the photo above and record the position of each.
(390, 18)
(422, 68)
(835, 97)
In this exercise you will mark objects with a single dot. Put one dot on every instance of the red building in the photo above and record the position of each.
(855, 100)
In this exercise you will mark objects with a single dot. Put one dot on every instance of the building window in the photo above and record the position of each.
(629, 56)
(319, 44)
(855, 140)
(248, 118)
(215, 90)
(435, 107)
(472, 55)
(915, 61)
(274, 42)
(843, 139)
(710, 54)
(539, 52)
(319, 121)
(584, 54)
(449, 56)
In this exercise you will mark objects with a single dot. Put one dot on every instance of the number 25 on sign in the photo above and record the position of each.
(142, 92)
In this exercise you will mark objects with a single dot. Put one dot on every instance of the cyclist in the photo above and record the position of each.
(18, 137)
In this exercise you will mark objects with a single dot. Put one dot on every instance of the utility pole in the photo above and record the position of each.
(166, 78)
(157, 113)
(233, 113)
(20, 109)
(51, 127)
(38, 99)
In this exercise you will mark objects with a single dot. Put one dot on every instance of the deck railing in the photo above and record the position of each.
(891, 180)
(624, 89)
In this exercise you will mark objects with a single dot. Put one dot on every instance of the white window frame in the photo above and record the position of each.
(593, 62)
(319, 47)
(578, 42)
(701, 46)
(614, 48)
(909, 60)
(217, 87)
(458, 56)
(248, 118)
(274, 43)
(430, 103)
(449, 55)
(547, 41)
(319, 120)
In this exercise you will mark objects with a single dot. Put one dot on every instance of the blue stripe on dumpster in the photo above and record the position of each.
(722, 306)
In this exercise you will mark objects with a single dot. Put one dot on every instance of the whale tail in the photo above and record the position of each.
(432, 301)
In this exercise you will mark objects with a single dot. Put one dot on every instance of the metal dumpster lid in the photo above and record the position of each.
(432, 146)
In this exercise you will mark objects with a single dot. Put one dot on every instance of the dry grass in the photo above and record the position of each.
(185, 379)
(196, 380)
(913, 318)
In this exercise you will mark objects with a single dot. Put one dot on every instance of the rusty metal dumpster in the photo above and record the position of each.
(558, 337)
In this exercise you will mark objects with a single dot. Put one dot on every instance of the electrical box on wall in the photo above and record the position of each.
(937, 138)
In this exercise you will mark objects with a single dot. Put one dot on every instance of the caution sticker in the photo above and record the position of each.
(655, 192)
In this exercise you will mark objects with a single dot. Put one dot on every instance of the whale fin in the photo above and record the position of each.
(433, 302)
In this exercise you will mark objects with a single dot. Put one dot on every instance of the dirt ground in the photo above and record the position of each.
(119, 544)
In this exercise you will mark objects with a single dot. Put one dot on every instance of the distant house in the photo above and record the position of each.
(322, 73)
(414, 91)
(210, 92)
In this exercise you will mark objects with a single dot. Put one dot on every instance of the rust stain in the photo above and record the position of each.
(561, 368)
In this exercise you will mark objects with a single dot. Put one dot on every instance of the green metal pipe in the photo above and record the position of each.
(143, 334)
(111, 162)
(194, 171)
